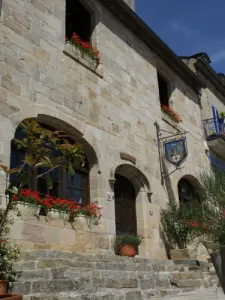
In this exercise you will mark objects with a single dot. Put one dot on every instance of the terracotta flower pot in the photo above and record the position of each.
(128, 250)
(3, 287)
(11, 297)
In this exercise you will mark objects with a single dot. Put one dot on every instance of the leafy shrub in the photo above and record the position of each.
(177, 224)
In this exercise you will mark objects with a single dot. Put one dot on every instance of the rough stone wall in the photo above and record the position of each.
(112, 114)
(210, 96)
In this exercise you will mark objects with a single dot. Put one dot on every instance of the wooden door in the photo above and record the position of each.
(125, 206)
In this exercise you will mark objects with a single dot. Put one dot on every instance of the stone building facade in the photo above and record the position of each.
(110, 109)
(213, 106)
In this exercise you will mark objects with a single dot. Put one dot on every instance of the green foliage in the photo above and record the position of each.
(9, 253)
(176, 222)
(211, 221)
(204, 219)
(222, 114)
(45, 149)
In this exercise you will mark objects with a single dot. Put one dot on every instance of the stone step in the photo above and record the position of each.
(128, 264)
(97, 296)
(128, 295)
(93, 284)
(199, 295)
(62, 275)
(74, 272)
(51, 254)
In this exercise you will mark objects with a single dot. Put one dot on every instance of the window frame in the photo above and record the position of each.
(93, 19)
(168, 88)
(62, 173)
(188, 198)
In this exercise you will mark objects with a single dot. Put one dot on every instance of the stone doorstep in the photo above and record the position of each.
(52, 254)
(107, 265)
(136, 295)
(96, 284)
(74, 272)
(112, 275)
(127, 295)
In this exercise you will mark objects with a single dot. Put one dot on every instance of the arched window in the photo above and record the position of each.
(63, 186)
(187, 192)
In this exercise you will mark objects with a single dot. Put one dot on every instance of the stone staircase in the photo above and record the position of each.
(53, 275)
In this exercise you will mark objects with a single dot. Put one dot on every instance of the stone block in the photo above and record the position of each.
(180, 254)
(3, 94)
(6, 70)
(147, 284)
(22, 18)
(32, 37)
(54, 22)
(10, 85)
(15, 63)
(59, 285)
(189, 283)
(40, 88)
(40, 54)
(133, 296)
(12, 24)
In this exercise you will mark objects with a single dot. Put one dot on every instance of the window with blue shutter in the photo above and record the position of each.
(216, 119)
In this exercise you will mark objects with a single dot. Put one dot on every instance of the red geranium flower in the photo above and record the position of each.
(194, 224)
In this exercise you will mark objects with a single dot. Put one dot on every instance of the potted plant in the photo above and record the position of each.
(177, 226)
(127, 244)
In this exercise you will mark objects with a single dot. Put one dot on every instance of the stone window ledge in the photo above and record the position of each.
(83, 59)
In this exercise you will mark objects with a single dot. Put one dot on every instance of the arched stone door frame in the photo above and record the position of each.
(142, 191)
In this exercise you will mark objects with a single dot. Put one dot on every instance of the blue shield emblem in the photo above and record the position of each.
(176, 151)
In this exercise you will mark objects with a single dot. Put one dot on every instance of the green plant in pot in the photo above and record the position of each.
(127, 244)
(222, 115)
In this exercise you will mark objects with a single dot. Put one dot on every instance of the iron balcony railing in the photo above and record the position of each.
(214, 128)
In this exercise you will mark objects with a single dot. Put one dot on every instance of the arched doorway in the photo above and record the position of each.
(187, 191)
(125, 206)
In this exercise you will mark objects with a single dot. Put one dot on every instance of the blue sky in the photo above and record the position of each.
(188, 27)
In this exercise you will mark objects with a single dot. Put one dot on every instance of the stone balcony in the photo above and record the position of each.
(215, 135)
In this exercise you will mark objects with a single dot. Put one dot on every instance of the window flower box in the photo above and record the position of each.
(171, 113)
(82, 51)
(63, 208)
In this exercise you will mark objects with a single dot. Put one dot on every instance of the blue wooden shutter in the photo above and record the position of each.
(216, 119)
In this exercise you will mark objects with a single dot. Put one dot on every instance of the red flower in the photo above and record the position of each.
(194, 224)
(85, 46)
(175, 116)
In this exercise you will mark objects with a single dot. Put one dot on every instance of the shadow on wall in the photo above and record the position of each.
(172, 199)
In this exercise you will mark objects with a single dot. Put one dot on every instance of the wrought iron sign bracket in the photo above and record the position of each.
(166, 137)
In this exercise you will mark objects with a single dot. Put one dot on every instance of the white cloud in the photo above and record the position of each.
(218, 56)
(176, 26)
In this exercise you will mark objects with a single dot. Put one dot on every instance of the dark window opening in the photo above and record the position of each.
(163, 90)
(187, 192)
(63, 186)
(78, 20)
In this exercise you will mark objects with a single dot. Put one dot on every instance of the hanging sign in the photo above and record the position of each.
(176, 151)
